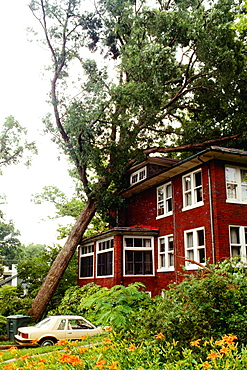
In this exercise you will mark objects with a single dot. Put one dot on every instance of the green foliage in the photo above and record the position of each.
(73, 300)
(12, 301)
(3, 323)
(10, 246)
(67, 208)
(179, 74)
(13, 146)
(204, 305)
(118, 306)
(33, 269)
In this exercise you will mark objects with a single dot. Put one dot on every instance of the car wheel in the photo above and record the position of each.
(47, 342)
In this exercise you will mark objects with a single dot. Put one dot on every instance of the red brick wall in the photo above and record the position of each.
(141, 210)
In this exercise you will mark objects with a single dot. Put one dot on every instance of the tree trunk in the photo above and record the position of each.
(61, 262)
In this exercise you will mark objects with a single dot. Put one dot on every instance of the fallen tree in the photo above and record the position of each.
(168, 86)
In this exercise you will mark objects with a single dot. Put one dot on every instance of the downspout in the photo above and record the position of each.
(211, 214)
(210, 209)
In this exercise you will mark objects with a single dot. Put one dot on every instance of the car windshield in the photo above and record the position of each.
(44, 323)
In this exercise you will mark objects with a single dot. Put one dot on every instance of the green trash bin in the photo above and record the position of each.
(13, 323)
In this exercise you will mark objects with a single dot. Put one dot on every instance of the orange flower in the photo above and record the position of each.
(23, 358)
(224, 350)
(213, 355)
(83, 337)
(42, 361)
(113, 365)
(100, 364)
(70, 359)
(229, 339)
(220, 342)
(11, 349)
(206, 365)
(108, 328)
(62, 342)
(159, 336)
(82, 350)
(131, 348)
(195, 343)
(107, 341)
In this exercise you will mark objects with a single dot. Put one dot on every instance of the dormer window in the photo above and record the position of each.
(138, 175)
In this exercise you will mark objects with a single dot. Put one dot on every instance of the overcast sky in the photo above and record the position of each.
(23, 95)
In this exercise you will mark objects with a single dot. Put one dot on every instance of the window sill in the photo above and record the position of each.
(199, 204)
(164, 215)
(171, 269)
(194, 267)
(235, 201)
(147, 275)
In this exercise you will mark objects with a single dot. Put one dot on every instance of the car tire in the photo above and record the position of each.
(47, 342)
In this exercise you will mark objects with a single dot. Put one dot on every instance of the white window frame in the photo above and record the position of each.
(165, 254)
(89, 252)
(138, 175)
(239, 243)
(138, 249)
(193, 251)
(110, 248)
(234, 184)
(192, 191)
(163, 200)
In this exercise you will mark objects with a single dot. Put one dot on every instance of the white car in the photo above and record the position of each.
(54, 328)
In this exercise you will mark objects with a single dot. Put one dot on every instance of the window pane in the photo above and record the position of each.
(201, 256)
(137, 243)
(189, 240)
(129, 242)
(231, 174)
(160, 194)
(200, 237)
(235, 235)
(86, 268)
(244, 176)
(104, 264)
(170, 260)
(188, 199)
(147, 243)
(198, 195)
(235, 251)
(198, 179)
(190, 254)
(170, 243)
(168, 191)
(187, 183)
(169, 205)
(232, 191)
(162, 260)
(161, 209)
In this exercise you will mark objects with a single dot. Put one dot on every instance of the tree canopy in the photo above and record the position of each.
(172, 79)
(13, 146)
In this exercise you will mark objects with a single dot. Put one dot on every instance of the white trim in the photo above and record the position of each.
(138, 175)
(195, 248)
(140, 249)
(241, 243)
(192, 191)
(237, 185)
(106, 250)
(163, 203)
(165, 253)
(82, 255)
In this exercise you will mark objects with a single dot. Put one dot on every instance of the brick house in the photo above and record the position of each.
(175, 212)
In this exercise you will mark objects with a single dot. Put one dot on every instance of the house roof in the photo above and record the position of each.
(178, 167)
(131, 230)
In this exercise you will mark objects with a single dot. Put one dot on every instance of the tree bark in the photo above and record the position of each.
(61, 262)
